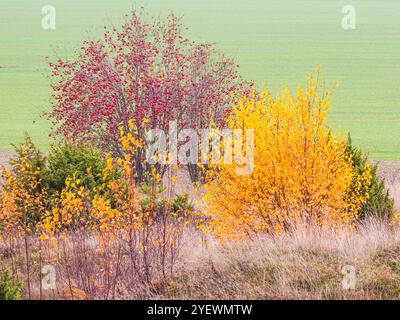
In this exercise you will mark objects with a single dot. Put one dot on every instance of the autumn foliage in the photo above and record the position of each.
(134, 227)
(302, 171)
(110, 236)
(110, 221)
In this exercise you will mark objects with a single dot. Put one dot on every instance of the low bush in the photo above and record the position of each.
(73, 160)
(379, 202)
(23, 197)
(28, 165)
(37, 173)
(301, 170)
(10, 289)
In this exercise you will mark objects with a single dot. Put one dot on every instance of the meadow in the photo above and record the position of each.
(276, 42)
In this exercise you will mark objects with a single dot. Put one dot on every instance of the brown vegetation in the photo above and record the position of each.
(305, 263)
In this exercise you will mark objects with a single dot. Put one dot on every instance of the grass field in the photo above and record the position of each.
(275, 42)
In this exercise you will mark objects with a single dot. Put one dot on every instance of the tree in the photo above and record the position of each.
(147, 72)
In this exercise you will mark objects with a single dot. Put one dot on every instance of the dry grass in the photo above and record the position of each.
(305, 263)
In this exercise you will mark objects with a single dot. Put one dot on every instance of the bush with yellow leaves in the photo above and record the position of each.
(301, 169)
(22, 202)
(114, 223)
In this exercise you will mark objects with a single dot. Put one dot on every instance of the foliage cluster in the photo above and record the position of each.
(140, 227)
(10, 289)
(302, 172)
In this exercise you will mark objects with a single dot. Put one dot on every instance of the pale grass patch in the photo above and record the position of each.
(303, 263)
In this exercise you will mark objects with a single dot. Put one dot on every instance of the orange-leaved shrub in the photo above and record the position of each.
(301, 169)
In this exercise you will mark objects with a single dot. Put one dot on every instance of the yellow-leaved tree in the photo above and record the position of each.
(301, 169)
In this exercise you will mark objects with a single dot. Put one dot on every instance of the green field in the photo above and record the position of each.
(276, 42)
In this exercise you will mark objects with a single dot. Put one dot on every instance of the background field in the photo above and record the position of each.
(275, 42)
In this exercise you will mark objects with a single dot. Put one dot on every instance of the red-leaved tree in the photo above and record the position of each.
(143, 70)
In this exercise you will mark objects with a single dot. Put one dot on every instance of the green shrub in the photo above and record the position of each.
(379, 201)
(10, 289)
(65, 160)
(181, 204)
(68, 159)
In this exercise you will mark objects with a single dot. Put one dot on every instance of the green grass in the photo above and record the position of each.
(276, 42)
